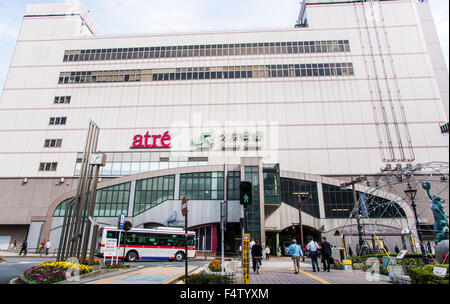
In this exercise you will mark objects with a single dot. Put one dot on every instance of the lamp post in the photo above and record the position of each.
(302, 197)
(411, 194)
(358, 215)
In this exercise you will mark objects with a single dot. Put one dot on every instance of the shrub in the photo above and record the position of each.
(424, 275)
(338, 266)
(117, 265)
(204, 278)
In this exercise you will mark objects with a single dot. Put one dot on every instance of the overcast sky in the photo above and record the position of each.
(147, 16)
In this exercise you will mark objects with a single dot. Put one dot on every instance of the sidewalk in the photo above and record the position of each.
(281, 271)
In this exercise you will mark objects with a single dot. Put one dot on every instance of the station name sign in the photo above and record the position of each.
(148, 141)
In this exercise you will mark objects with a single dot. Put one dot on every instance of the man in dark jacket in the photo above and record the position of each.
(256, 254)
(326, 253)
(24, 248)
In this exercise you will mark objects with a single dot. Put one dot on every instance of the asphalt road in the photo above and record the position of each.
(15, 266)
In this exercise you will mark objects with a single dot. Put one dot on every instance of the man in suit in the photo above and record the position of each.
(326, 253)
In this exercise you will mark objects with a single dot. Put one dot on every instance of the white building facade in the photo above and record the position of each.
(363, 84)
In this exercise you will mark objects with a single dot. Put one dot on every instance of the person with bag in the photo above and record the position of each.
(326, 254)
(313, 254)
(295, 251)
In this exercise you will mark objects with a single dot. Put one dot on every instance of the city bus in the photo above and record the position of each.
(162, 243)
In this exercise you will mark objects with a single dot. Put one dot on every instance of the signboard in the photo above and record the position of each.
(110, 248)
(156, 141)
(121, 221)
(402, 255)
(184, 206)
(246, 259)
(440, 271)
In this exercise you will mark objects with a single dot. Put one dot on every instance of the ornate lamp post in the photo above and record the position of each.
(302, 197)
(411, 194)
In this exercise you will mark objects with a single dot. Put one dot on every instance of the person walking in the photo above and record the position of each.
(24, 248)
(396, 249)
(256, 255)
(312, 249)
(295, 251)
(350, 251)
(326, 253)
(41, 247)
(47, 247)
(267, 252)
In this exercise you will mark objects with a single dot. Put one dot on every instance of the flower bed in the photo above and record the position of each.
(216, 265)
(52, 272)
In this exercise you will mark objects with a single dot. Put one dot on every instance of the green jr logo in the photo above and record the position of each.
(206, 141)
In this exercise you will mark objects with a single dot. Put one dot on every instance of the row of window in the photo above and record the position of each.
(198, 73)
(52, 143)
(127, 168)
(338, 203)
(267, 48)
(202, 186)
(62, 99)
(48, 166)
(58, 120)
(151, 239)
(153, 191)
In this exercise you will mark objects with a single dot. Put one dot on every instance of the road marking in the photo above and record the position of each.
(314, 277)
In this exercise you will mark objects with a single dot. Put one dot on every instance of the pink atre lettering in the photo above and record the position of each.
(157, 141)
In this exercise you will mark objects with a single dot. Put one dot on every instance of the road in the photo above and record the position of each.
(15, 266)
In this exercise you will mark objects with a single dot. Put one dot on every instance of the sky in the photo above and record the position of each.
(150, 16)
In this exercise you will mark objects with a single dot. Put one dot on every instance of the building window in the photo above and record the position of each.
(57, 120)
(253, 210)
(290, 186)
(48, 166)
(215, 72)
(233, 181)
(153, 191)
(112, 201)
(62, 99)
(292, 47)
(338, 202)
(202, 186)
(52, 143)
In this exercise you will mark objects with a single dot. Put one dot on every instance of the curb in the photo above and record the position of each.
(22, 280)
(176, 280)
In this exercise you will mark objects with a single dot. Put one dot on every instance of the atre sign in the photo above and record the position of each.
(148, 141)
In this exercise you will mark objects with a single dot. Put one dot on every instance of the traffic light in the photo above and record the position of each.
(245, 196)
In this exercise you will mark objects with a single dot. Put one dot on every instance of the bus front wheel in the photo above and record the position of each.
(179, 256)
(132, 256)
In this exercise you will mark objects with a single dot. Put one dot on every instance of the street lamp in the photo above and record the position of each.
(411, 194)
(302, 197)
(358, 215)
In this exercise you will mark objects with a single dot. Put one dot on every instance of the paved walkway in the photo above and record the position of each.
(281, 271)
(147, 275)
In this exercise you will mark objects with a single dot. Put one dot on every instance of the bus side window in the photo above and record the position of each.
(162, 242)
(111, 234)
(131, 238)
(152, 241)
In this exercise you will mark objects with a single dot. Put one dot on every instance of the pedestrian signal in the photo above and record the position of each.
(245, 189)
